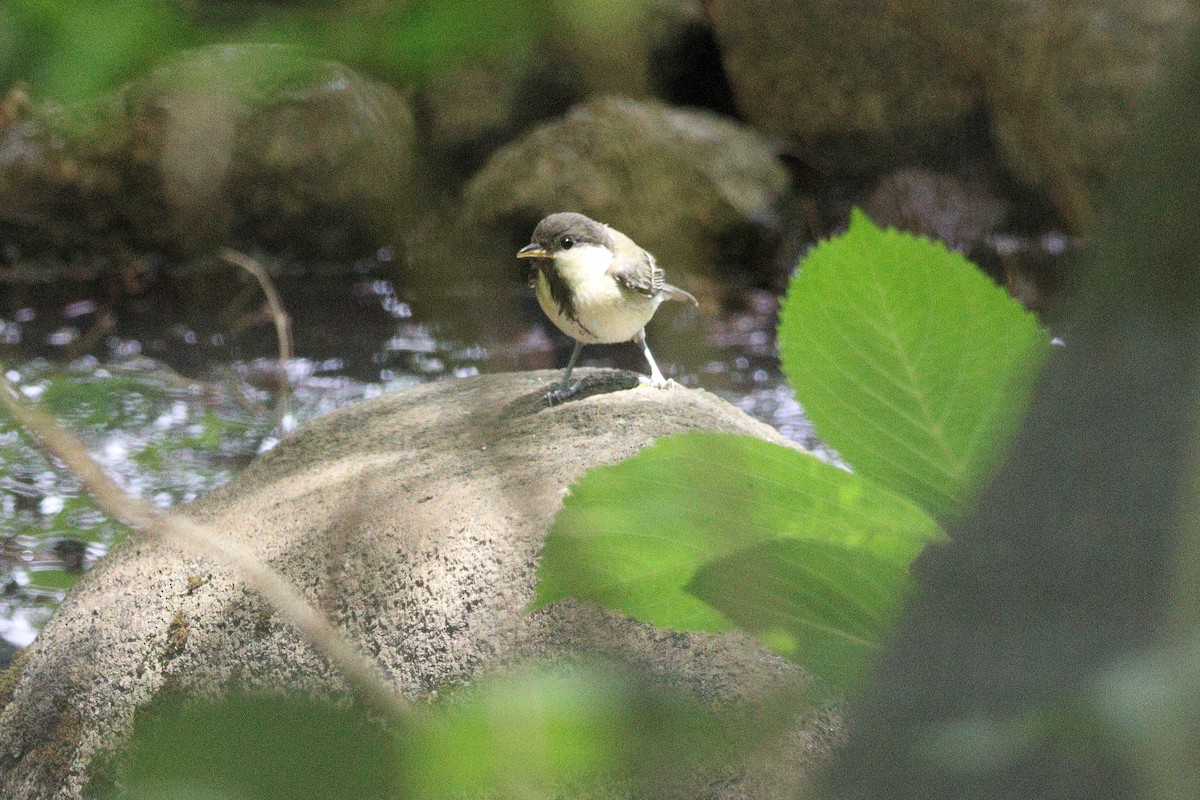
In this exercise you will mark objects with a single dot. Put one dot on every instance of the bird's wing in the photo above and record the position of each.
(634, 268)
(640, 273)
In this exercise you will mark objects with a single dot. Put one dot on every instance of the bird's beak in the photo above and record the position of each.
(532, 250)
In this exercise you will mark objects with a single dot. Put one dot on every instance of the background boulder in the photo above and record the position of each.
(695, 188)
(248, 144)
(862, 86)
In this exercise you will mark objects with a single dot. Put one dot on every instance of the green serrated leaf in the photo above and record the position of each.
(909, 361)
(822, 605)
(634, 535)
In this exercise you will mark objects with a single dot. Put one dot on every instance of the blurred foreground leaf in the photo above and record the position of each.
(518, 737)
(910, 362)
(530, 733)
(257, 747)
(541, 733)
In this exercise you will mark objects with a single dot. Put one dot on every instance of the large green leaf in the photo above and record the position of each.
(823, 605)
(520, 736)
(908, 360)
(633, 536)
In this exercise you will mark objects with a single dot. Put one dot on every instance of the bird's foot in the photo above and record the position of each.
(659, 382)
(561, 394)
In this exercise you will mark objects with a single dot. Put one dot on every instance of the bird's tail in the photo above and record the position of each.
(675, 293)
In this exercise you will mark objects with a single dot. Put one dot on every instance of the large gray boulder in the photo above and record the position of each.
(415, 521)
(849, 86)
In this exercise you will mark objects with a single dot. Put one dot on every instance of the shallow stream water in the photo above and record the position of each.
(174, 393)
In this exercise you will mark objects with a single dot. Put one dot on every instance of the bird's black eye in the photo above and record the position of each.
(567, 243)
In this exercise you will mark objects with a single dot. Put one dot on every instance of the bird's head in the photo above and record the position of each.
(566, 236)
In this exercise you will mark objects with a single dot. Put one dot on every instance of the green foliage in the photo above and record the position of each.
(824, 605)
(914, 366)
(73, 50)
(434, 34)
(531, 733)
(76, 49)
(99, 401)
(55, 579)
(635, 535)
(257, 747)
(909, 361)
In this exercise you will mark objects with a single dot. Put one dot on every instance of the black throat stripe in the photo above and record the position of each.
(562, 295)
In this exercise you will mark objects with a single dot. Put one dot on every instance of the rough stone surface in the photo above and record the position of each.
(691, 186)
(414, 520)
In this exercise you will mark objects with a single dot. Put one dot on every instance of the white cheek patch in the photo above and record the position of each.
(583, 262)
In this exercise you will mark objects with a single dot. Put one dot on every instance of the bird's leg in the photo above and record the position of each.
(656, 377)
(564, 390)
(570, 366)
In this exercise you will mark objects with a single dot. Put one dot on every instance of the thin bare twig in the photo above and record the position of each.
(365, 678)
(106, 322)
(283, 323)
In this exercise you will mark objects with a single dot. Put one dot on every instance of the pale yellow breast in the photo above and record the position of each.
(607, 312)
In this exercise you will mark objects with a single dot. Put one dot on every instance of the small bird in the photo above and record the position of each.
(597, 286)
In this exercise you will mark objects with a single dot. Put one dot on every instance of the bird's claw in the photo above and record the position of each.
(561, 394)
(659, 382)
